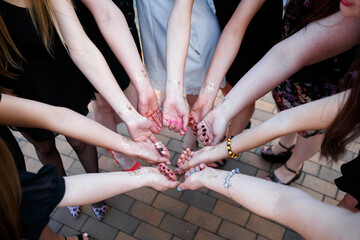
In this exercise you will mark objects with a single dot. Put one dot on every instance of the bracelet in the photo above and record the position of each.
(228, 147)
(227, 182)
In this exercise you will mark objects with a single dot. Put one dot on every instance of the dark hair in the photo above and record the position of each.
(346, 126)
(317, 10)
(10, 195)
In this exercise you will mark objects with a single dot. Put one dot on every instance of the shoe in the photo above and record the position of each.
(248, 126)
(272, 177)
(135, 167)
(100, 211)
(218, 164)
(282, 157)
(79, 236)
(74, 211)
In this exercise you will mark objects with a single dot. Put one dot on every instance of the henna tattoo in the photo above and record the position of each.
(135, 173)
(125, 143)
(209, 87)
(124, 109)
(140, 76)
(227, 104)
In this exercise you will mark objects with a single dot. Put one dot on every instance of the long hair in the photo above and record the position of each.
(10, 195)
(43, 18)
(316, 10)
(346, 126)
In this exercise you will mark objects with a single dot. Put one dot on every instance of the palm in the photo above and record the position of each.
(148, 107)
(178, 110)
(140, 130)
(215, 126)
(198, 112)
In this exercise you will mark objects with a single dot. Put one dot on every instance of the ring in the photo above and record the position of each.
(157, 143)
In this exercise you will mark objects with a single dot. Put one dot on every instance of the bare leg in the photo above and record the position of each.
(349, 202)
(48, 234)
(86, 153)
(239, 122)
(305, 149)
(190, 138)
(47, 153)
(286, 140)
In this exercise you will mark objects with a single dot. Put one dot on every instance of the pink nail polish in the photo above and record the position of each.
(182, 134)
(169, 121)
(179, 124)
(185, 129)
(174, 121)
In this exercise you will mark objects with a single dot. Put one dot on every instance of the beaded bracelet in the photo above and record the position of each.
(227, 182)
(228, 147)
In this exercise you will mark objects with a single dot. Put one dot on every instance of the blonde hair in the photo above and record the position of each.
(44, 20)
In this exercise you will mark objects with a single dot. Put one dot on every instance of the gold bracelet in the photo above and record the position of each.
(228, 147)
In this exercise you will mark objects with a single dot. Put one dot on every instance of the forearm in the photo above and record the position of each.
(80, 189)
(177, 45)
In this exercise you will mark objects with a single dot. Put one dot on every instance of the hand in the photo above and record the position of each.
(153, 153)
(212, 129)
(200, 109)
(194, 176)
(148, 107)
(139, 129)
(189, 159)
(175, 114)
(162, 177)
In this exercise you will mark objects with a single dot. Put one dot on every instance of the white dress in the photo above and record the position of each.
(205, 31)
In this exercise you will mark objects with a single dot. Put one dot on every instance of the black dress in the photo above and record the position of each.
(263, 32)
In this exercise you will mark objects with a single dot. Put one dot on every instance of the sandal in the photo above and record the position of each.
(282, 157)
(272, 177)
(135, 167)
(74, 211)
(100, 211)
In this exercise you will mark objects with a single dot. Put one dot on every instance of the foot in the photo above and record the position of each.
(276, 153)
(285, 175)
(83, 236)
(99, 209)
(74, 211)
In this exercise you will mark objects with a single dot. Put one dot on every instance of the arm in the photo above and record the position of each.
(286, 205)
(318, 41)
(224, 55)
(177, 45)
(16, 111)
(115, 30)
(314, 115)
(91, 62)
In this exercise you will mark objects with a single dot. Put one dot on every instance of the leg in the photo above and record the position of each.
(349, 202)
(190, 138)
(47, 153)
(239, 122)
(305, 149)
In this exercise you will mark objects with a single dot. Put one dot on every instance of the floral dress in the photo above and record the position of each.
(312, 82)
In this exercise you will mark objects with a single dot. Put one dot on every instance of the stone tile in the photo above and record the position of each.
(121, 202)
(320, 185)
(202, 219)
(353, 147)
(174, 156)
(337, 165)
(149, 232)
(170, 205)
(175, 145)
(229, 230)
(268, 98)
(146, 213)
(176, 238)
(255, 160)
(317, 159)
(291, 235)
(259, 237)
(178, 227)
(255, 122)
(244, 168)
(124, 236)
(265, 227)
(311, 168)
(121, 221)
(172, 192)
(63, 216)
(312, 193)
(330, 201)
(55, 225)
(63, 147)
(29, 151)
(144, 194)
(203, 234)
(108, 164)
(199, 200)
(33, 165)
(171, 134)
(328, 174)
(340, 195)
(231, 213)
(261, 115)
(122, 129)
(264, 106)
(164, 139)
(99, 230)
(223, 198)
(68, 231)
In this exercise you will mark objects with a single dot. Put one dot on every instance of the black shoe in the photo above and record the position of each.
(272, 177)
(282, 157)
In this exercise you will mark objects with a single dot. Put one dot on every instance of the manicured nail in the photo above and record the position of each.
(204, 134)
(171, 174)
(192, 171)
(182, 134)
(163, 167)
(196, 169)
(179, 123)
(204, 130)
(188, 174)
(178, 189)
(206, 140)
(174, 121)
(169, 121)
(202, 126)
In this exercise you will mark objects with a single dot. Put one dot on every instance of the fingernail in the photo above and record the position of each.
(160, 149)
(206, 140)
(171, 174)
(163, 167)
(178, 189)
(196, 170)
(204, 134)
(179, 124)
(188, 174)
(169, 121)
(204, 130)
(192, 171)
(182, 134)
(202, 126)
(174, 121)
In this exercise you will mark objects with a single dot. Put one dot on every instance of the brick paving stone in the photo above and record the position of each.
(29, 150)
(146, 213)
(63, 146)
(232, 231)
(340, 195)
(265, 227)
(268, 98)
(124, 236)
(337, 165)
(261, 115)
(164, 139)
(178, 227)
(312, 193)
(255, 160)
(68, 231)
(202, 219)
(291, 235)
(311, 168)
(317, 159)
(33, 165)
(62, 215)
(99, 230)
(223, 198)
(262, 174)
(320, 185)
(328, 174)
(175, 145)
(22, 143)
(121, 221)
(231, 213)
(172, 192)
(197, 199)
(353, 147)
(144, 194)
(122, 129)
(174, 156)
(244, 168)
(264, 106)
(259, 237)
(170, 205)
(330, 201)
(255, 122)
(176, 238)
(149, 232)
(203, 234)
(121, 202)
(55, 225)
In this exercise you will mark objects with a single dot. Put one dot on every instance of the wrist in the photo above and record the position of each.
(174, 86)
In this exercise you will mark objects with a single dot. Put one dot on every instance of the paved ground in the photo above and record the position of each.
(148, 214)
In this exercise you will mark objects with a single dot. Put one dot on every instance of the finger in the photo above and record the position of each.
(172, 124)
(166, 122)
(185, 120)
(159, 113)
(172, 176)
(156, 120)
(153, 138)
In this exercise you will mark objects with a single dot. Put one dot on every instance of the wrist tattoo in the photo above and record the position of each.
(213, 174)
(124, 109)
(140, 76)
(174, 82)
(125, 143)
(135, 173)
(227, 104)
(209, 87)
